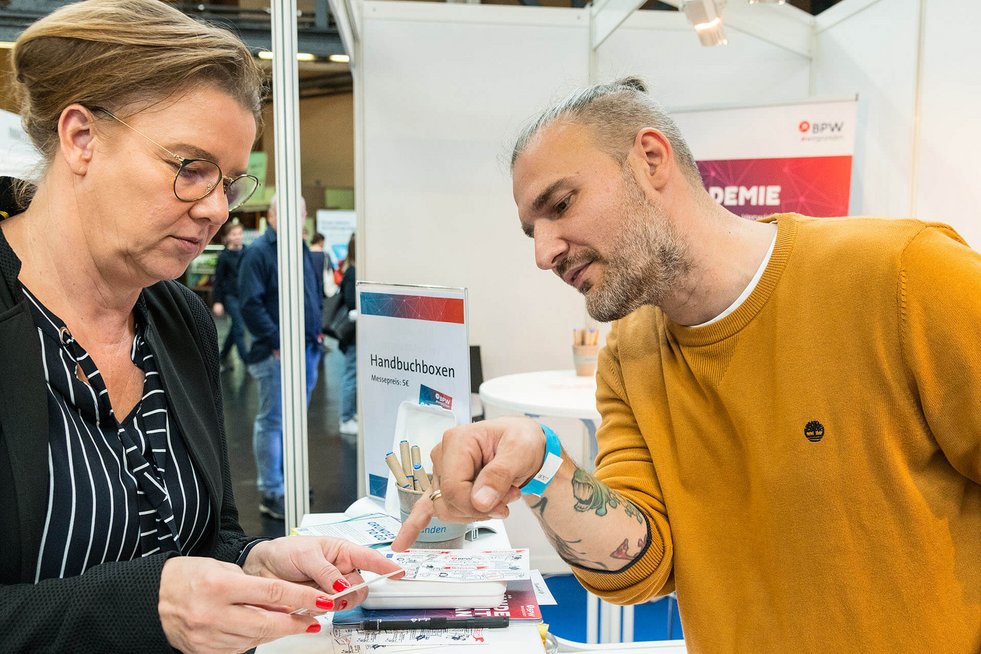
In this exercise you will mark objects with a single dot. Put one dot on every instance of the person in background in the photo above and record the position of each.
(790, 432)
(259, 293)
(322, 262)
(349, 383)
(225, 292)
(118, 526)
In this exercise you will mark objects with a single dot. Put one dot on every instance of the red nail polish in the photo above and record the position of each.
(314, 628)
(325, 603)
(341, 584)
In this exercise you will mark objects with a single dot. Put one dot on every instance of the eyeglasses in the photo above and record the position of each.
(195, 179)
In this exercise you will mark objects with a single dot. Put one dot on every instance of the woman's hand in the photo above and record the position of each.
(331, 564)
(211, 606)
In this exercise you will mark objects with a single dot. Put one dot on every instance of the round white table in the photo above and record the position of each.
(558, 393)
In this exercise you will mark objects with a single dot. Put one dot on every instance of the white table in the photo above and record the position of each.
(515, 639)
(556, 393)
(518, 638)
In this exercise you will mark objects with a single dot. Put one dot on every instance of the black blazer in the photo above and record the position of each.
(113, 606)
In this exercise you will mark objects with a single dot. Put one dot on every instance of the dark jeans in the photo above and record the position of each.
(267, 432)
(349, 384)
(236, 331)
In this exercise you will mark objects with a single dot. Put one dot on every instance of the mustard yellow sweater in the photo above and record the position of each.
(811, 464)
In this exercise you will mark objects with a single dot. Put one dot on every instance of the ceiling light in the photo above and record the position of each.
(339, 58)
(706, 17)
(300, 56)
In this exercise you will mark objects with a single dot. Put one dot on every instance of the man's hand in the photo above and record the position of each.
(218, 309)
(479, 470)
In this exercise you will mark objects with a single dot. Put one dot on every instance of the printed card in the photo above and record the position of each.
(368, 530)
(462, 566)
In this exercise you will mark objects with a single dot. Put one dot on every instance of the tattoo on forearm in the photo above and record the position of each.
(622, 552)
(593, 495)
(631, 510)
(562, 546)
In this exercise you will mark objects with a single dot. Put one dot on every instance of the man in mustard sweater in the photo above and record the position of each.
(791, 436)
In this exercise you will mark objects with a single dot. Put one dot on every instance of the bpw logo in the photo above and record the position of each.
(820, 129)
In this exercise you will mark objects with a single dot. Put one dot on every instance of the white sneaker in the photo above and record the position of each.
(349, 426)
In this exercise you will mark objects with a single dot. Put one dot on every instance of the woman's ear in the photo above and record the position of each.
(76, 137)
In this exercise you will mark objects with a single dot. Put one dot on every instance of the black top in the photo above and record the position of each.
(258, 289)
(113, 606)
(226, 274)
(118, 489)
(348, 291)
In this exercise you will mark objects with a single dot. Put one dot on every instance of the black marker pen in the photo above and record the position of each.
(494, 622)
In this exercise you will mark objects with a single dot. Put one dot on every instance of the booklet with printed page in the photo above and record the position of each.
(519, 603)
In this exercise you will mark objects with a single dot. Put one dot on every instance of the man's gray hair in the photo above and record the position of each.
(274, 203)
(615, 112)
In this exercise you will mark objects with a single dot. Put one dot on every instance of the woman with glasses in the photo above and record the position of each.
(118, 530)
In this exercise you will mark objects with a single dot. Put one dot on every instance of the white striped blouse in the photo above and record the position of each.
(117, 490)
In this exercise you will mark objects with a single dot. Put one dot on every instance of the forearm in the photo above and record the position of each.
(112, 607)
(590, 525)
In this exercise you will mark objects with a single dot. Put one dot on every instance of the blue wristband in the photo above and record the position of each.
(553, 461)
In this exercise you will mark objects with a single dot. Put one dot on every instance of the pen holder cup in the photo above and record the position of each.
(437, 534)
(584, 358)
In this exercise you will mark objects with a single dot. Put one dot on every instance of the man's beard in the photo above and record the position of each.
(646, 263)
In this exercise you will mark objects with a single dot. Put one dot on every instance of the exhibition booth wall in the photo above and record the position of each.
(914, 67)
(443, 89)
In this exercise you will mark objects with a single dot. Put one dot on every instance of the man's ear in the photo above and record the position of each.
(76, 137)
(656, 155)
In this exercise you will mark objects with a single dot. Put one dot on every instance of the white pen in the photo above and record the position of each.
(356, 587)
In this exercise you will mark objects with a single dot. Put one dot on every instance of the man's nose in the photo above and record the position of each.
(549, 246)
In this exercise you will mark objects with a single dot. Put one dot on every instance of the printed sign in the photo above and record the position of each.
(412, 346)
(764, 160)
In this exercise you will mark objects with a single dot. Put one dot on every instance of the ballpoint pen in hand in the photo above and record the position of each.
(347, 591)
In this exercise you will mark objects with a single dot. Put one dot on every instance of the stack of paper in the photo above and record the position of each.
(519, 603)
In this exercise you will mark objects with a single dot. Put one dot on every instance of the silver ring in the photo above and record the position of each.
(435, 495)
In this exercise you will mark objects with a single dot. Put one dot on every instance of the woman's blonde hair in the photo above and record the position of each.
(116, 53)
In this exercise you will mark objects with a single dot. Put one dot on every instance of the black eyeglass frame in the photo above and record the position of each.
(226, 182)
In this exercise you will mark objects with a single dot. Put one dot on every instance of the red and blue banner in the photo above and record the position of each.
(763, 160)
(413, 307)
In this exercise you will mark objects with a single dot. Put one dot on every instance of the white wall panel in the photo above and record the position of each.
(445, 87)
(873, 53)
(948, 187)
(663, 49)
